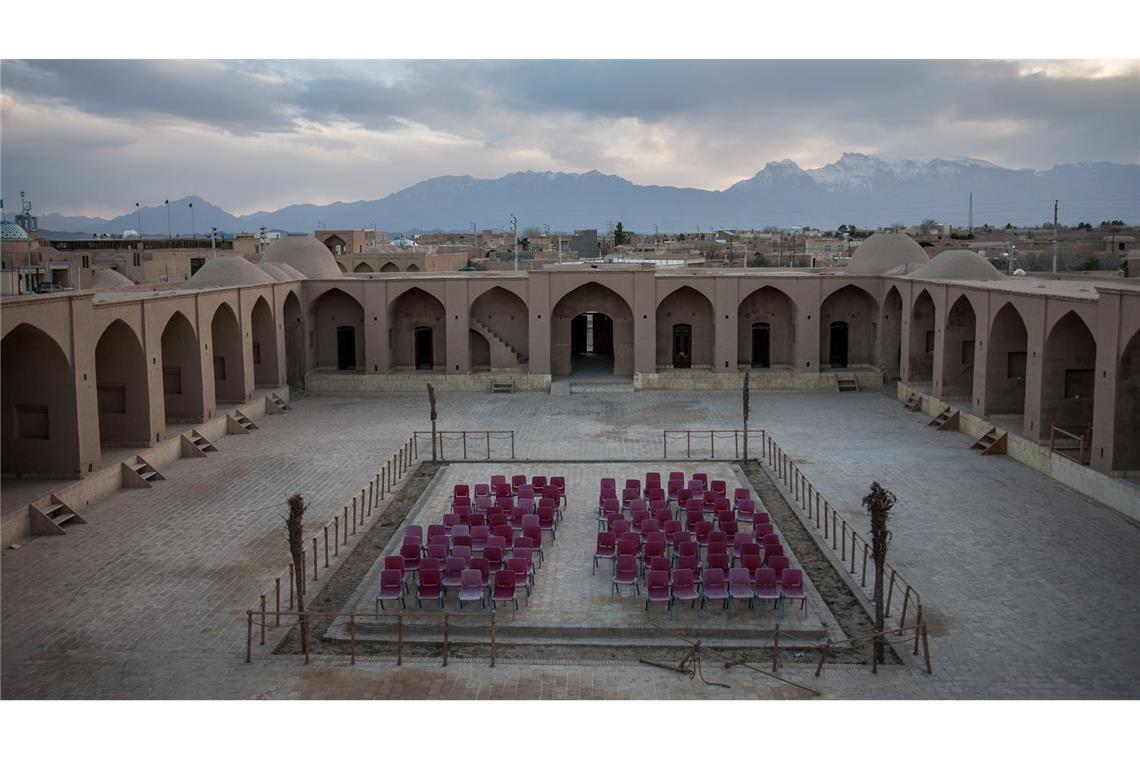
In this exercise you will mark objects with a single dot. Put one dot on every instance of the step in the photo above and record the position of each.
(139, 474)
(274, 404)
(601, 388)
(49, 520)
(992, 442)
(503, 387)
(239, 423)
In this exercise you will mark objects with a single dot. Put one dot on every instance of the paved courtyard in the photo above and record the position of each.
(1029, 586)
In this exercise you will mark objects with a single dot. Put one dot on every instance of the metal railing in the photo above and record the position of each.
(687, 439)
(482, 443)
(1083, 443)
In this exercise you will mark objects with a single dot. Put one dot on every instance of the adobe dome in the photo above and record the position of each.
(227, 271)
(108, 279)
(290, 270)
(276, 272)
(304, 253)
(958, 265)
(886, 250)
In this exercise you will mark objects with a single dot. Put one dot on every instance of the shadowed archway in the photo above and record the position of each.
(264, 345)
(228, 357)
(958, 355)
(685, 330)
(122, 386)
(1006, 363)
(338, 329)
(591, 330)
(1068, 377)
(182, 393)
(416, 331)
(921, 353)
(766, 330)
(848, 329)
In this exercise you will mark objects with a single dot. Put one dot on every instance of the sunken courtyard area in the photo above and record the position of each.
(1028, 586)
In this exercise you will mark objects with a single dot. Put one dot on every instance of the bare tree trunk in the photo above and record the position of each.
(747, 378)
(295, 525)
(431, 400)
(879, 503)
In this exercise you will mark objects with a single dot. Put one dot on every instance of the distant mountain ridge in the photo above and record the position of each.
(856, 189)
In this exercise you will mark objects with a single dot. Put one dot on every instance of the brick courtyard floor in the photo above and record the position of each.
(1029, 586)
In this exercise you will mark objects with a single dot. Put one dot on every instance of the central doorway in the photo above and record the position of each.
(682, 346)
(838, 351)
(761, 345)
(592, 344)
(345, 347)
(424, 359)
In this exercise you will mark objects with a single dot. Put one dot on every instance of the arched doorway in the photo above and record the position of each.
(892, 334)
(362, 267)
(264, 345)
(591, 333)
(958, 355)
(294, 327)
(389, 267)
(501, 318)
(848, 329)
(40, 425)
(761, 345)
(685, 328)
(1068, 377)
(341, 267)
(480, 351)
(1006, 363)
(413, 268)
(1126, 422)
(181, 371)
(121, 385)
(336, 244)
(921, 353)
(416, 331)
(229, 363)
(771, 340)
(338, 348)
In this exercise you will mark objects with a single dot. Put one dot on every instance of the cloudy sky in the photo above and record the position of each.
(92, 137)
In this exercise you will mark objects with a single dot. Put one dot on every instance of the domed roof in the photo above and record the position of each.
(108, 279)
(306, 254)
(12, 231)
(958, 265)
(276, 272)
(227, 271)
(886, 250)
(290, 270)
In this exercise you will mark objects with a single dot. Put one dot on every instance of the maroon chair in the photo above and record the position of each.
(692, 517)
(745, 510)
(479, 536)
(629, 494)
(730, 528)
(659, 563)
(461, 501)
(762, 529)
(638, 518)
(657, 493)
(650, 525)
(461, 551)
(430, 586)
(674, 488)
(747, 549)
(439, 551)
(777, 563)
(551, 492)
(476, 520)
(703, 479)
(521, 568)
(701, 532)
(690, 563)
(411, 555)
(525, 492)
(497, 479)
(750, 562)
(482, 489)
(739, 586)
(625, 574)
(719, 561)
(483, 503)
(516, 481)
(621, 526)
(762, 518)
(527, 553)
(471, 587)
(657, 589)
(395, 562)
(559, 482)
(630, 544)
(516, 519)
(463, 512)
(460, 489)
(633, 483)
(672, 529)
(661, 514)
(715, 587)
(505, 503)
(605, 548)
(765, 584)
(503, 491)
(605, 482)
(534, 534)
(688, 549)
(496, 520)
(504, 532)
(538, 481)
(719, 486)
(453, 568)
(493, 555)
(682, 497)
(437, 530)
(772, 550)
(684, 587)
(546, 521)
(504, 590)
(391, 589)
(483, 566)
(792, 587)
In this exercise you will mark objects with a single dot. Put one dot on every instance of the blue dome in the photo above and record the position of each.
(12, 231)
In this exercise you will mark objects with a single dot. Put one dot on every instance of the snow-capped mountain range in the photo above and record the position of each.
(856, 189)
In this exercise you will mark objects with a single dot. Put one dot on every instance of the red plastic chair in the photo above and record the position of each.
(633, 483)
(411, 554)
(762, 518)
(504, 532)
(690, 563)
(750, 562)
(559, 482)
(762, 529)
(766, 586)
(621, 526)
(494, 557)
(714, 586)
(484, 503)
(792, 587)
(460, 489)
(520, 567)
(701, 532)
(719, 486)
(453, 568)
(688, 549)
(503, 490)
(552, 505)
(436, 530)
(538, 481)
(672, 528)
(703, 479)
(391, 589)
(461, 501)
(625, 574)
(674, 488)
(606, 548)
(497, 479)
(516, 481)
(483, 566)
(439, 552)
(778, 563)
(682, 497)
(739, 586)
(471, 587)
(605, 482)
(476, 520)
(482, 489)
(659, 563)
(740, 494)
(534, 533)
(430, 586)
(504, 590)
(720, 561)
(629, 494)
(684, 587)
(657, 589)
(651, 550)
(745, 510)
(395, 562)
(630, 543)
(461, 551)
(479, 536)
(525, 553)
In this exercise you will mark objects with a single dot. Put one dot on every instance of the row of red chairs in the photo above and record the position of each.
(681, 585)
(501, 486)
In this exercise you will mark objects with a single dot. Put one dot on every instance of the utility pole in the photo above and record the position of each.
(138, 210)
(213, 246)
(169, 227)
(474, 238)
(1009, 269)
(515, 229)
(193, 226)
(970, 228)
(656, 249)
(1055, 236)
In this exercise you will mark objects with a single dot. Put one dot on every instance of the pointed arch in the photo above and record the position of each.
(1068, 376)
(1006, 362)
(182, 394)
(502, 318)
(412, 268)
(121, 383)
(892, 334)
(693, 347)
(766, 320)
(338, 329)
(389, 267)
(848, 329)
(294, 327)
(958, 353)
(922, 339)
(1126, 422)
(264, 347)
(228, 357)
(411, 316)
(40, 420)
(576, 332)
(363, 266)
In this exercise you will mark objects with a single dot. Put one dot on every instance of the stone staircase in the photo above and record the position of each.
(274, 404)
(913, 402)
(49, 521)
(194, 444)
(493, 336)
(945, 420)
(846, 383)
(139, 474)
(992, 442)
(503, 386)
(239, 423)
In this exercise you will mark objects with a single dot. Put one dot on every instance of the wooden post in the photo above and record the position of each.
(326, 530)
(736, 443)
(345, 524)
(336, 535)
(776, 649)
(826, 520)
(305, 637)
(445, 621)
(352, 636)
(361, 506)
(925, 648)
(465, 444)
(487, 434)
(854, 536)
(512, 444)
(492, 639)
(249, 635)
(370, 498)
(843, 543)
(890, 590)
(688, 444)
(863, 578)
(400, 462)
(263, 620)
(902, 617)
(400, 640)
(817, 511)
(415, 446)
(918, 623)
(823, 657)
(383, 483)
(712, 444)
(354, 515)
(664, 445)
(277, 602)
(834, 532)
(315, 556)
(441, 456)
(291, 585)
